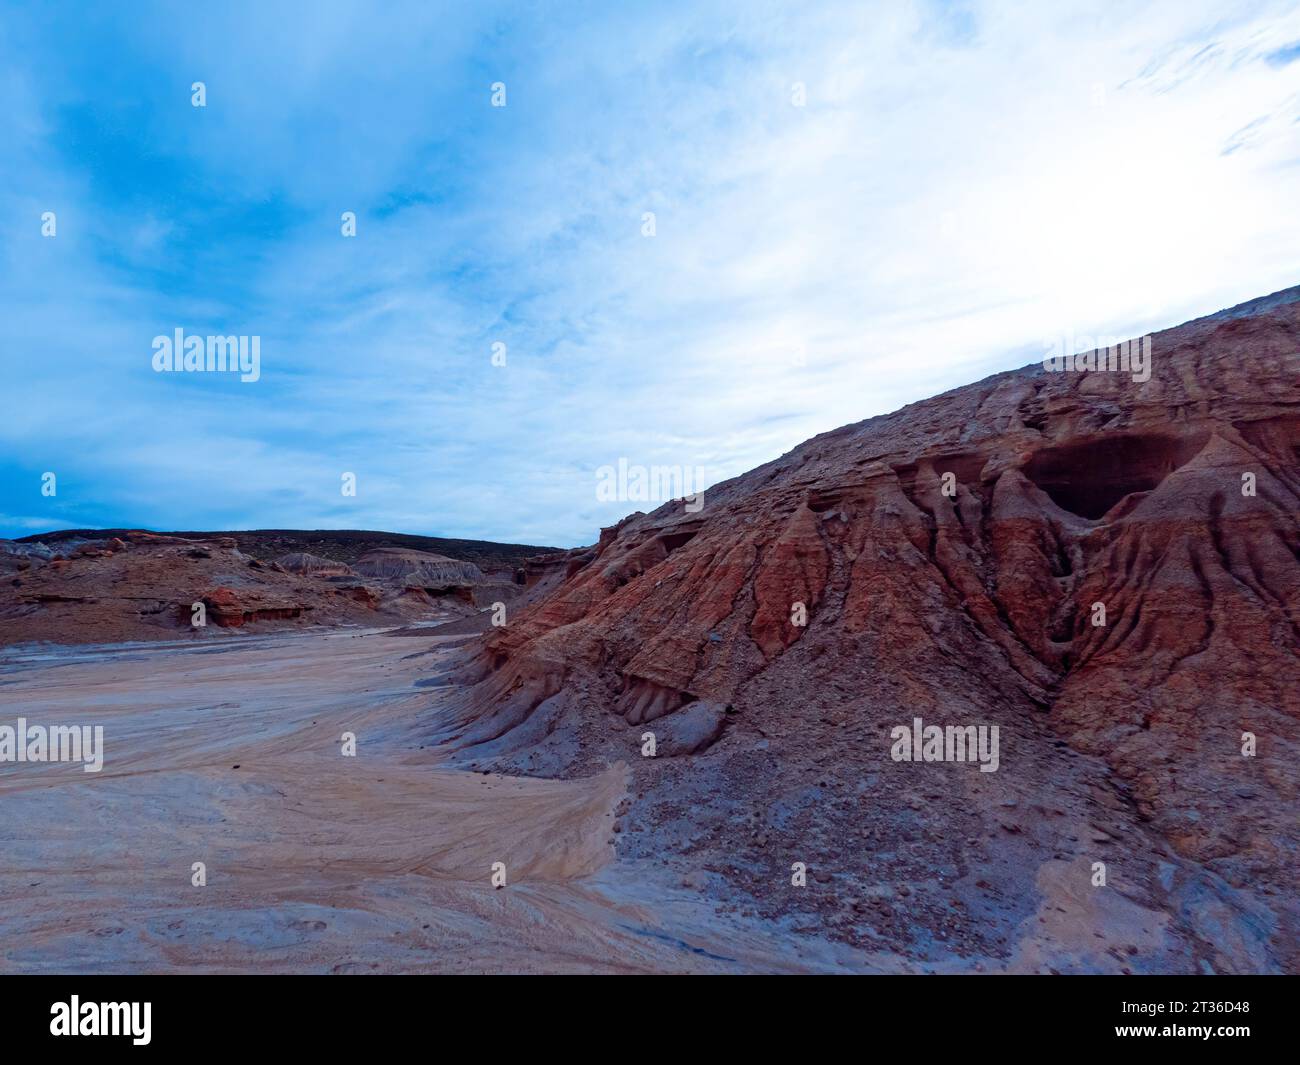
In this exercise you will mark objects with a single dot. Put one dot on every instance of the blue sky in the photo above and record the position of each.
(962, 184)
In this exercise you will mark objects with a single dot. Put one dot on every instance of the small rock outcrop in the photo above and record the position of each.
(304, 564)
(417, 569)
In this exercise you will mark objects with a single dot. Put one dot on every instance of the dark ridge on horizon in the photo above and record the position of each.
(342, 545)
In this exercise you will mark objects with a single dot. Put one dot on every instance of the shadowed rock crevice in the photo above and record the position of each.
(644, 700)
(1088, 477)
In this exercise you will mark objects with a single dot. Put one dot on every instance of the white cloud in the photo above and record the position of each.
(957, 189)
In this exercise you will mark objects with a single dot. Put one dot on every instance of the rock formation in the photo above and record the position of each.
(143, 586)
(1107, 569)
(302, 563)
(417, 569)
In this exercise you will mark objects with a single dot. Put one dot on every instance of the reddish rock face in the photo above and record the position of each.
(360, 593)
(229, 611)
(143, 586)
(1107, 569)
(224, 608)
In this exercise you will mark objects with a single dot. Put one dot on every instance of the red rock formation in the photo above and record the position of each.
(143, 586)
(80, 587)
(363, 594)
(1069, 490)
(230, 611)
(224, 608)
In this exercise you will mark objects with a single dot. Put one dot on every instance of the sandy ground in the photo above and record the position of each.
(230, 755)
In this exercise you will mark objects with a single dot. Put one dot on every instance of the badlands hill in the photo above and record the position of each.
(115, 585)
(1108, 570)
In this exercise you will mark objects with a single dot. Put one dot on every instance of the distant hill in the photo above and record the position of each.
(342, 545)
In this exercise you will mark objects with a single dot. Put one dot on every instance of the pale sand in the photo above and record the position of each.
(318, 862)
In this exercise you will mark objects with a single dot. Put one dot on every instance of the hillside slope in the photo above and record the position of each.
(1121, 736)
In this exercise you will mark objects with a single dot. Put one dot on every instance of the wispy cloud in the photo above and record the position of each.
(960, 182)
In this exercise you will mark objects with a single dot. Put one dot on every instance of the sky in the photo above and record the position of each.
(703, 232)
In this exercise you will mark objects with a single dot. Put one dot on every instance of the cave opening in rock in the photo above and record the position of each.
(672, 541)
(1089, 477)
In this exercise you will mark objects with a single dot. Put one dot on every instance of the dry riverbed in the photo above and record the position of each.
(230, 755)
